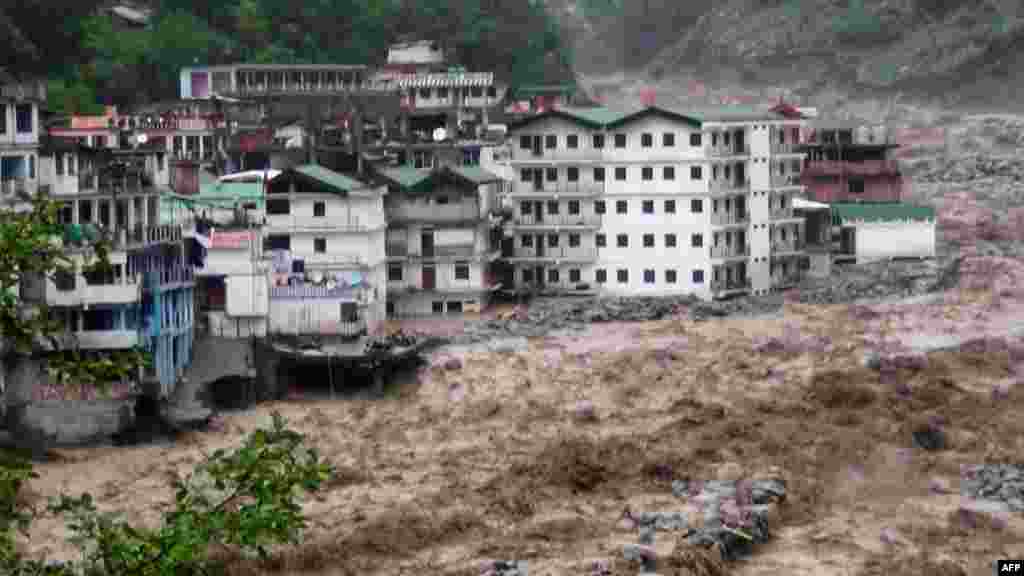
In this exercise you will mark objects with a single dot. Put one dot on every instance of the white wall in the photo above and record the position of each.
(895, 240)
(366, 247)
(356, 212)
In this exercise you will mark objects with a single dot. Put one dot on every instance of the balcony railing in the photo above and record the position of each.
(567, 253)
(720, 151)
(780, 280)
(402, 212)
(442, 282)
(177, 275)
(729, 186)
(782, 213)
(785, 180)
(350, 224)
(729, 218)
(144, 235)
(784, 246)
(17, 186)
(452, 251)
(81, 292)
(567, 188)
(863, 168)
(783, 147)
(730, 251)
(729, 285)
(564, 220)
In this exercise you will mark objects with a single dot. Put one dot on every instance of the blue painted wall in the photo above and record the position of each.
(168, 314)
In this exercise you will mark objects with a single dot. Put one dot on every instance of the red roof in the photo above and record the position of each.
(787, 110)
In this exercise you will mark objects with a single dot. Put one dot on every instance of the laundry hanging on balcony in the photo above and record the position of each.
(349, 279)
(281, 261)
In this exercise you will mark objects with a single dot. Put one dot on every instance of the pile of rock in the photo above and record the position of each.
(390, 341)
(876, 280)
(975, 167)
(1002, 483)
(730, 515)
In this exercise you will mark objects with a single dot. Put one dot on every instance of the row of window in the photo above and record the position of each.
(23, 120)
(472, 92)
(572, 141)
(396, 272)
(572, 173)
(621, 240)
(527, 208)
(621, 276)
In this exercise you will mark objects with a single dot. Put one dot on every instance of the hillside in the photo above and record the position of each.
(964, 53)
(98, 55)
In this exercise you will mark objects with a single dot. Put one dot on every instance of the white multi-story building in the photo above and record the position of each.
(655, 201)
(19, 138)
(325, 234)
(442, 239)
(144, 299)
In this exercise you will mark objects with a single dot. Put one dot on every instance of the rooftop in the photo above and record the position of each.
(880, 212)
(606, 117)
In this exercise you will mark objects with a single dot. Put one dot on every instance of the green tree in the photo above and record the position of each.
(246, 499)
(31, 248)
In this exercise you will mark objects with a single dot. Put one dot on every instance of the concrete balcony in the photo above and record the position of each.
(785, 148)
(787, 280)
(82, 293)
(553, 189)
(176, 275)
(402, 252)
(344, 261)
(729, 251)
(403, 213)
(18, 187)
(731, 186)
(726, 151)
(722, 219)
(780, 247)
(784, 214)
(724, 288)
(565, 254)
(785, 180)
(125, 238)
(864, 168)
(285, 223)
(442, 283)
(107, 339)
(554, 221)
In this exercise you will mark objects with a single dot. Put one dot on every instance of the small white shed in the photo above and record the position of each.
(879, 231)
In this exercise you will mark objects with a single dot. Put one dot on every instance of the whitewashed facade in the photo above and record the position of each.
(332, 229)
(19, 139)
(442, 239)
(651, 202)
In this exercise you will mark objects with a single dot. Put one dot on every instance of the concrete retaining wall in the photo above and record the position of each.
(72, 422)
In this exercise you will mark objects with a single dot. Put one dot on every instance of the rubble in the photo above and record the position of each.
(1001, 483)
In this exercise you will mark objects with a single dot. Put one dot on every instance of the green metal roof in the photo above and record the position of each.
(475, 174)
(880, 212)
(405, 176)
(544, 89)
(333, 179)
(602, 117)
(412, 179)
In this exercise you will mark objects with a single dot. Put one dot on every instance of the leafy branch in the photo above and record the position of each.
(246, 500)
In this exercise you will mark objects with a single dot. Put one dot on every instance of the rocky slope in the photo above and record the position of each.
(963, 52)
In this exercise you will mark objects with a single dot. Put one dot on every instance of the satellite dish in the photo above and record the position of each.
(440, 134)
(142, 138)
